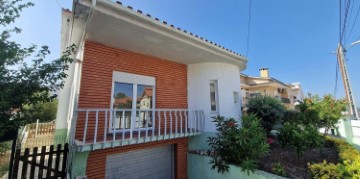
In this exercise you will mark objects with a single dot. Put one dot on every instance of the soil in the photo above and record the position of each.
(294, 167)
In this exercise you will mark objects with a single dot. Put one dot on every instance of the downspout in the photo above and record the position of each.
(75, 89)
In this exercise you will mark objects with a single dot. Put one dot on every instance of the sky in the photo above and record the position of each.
(294, 39)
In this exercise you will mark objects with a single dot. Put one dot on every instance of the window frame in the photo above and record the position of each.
(216, 91)
(135, 80)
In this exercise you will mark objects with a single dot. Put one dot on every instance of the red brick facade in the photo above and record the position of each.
(95, 92)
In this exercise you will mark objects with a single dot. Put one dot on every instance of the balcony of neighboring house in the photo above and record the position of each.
(285, 100)
(105, 128)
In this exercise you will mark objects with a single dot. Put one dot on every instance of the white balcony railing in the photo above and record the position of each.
(103, 128)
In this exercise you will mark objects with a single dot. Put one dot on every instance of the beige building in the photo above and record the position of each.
(289, 94)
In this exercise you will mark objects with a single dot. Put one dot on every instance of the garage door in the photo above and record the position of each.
(150, 163)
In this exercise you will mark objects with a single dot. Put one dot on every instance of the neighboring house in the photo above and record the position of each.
(138, 89)
(289, 94)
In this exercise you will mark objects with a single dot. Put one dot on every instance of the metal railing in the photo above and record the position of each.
(94, 126)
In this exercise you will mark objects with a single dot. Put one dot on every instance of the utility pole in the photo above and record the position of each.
(345, 76)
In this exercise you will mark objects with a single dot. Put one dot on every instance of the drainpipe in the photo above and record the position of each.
(75, 88)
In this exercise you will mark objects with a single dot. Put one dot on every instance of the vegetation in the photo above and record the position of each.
(25, 78)
(349, 166)
(278, 169)
(300, 131)
(300, 138)
(45, 112)
(238, 144)
(268, 109)
(321, 112)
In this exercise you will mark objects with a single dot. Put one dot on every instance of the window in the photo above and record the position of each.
(133, 101)
(214, 96)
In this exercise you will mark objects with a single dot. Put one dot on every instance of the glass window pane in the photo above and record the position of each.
(144, 105)
(123, 96)
(213, 95)
(144, 97)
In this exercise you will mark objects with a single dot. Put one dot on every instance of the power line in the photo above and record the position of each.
(248, 32)
(352, 27)
(343, 31)
(336, 78)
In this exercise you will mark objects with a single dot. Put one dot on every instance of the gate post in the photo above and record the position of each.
(13, 147)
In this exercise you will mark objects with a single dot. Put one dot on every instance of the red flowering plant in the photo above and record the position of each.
(321, 112)
(237, 142)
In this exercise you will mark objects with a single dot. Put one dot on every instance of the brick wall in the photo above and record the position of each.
(96, 163)
(95, 92)
(96, 81)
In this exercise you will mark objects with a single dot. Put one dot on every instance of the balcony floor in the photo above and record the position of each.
(124, 138)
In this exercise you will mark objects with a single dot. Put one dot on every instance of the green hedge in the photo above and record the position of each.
(348, 166)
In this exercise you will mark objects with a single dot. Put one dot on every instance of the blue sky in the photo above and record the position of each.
(293, 39)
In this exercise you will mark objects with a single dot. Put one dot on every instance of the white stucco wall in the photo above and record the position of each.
(228, 78)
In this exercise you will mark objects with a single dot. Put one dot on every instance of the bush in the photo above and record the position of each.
(237, 144)
(293, 116)
(278, 169)
(300, 138)
(349, 166)
(322, 112)
(268, 109)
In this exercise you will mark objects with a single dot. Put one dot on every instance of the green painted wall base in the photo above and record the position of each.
(78, 166)
(60, 136)
(199, 168)
(61, 132)
(199, 142)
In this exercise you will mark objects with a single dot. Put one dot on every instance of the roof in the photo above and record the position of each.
(148, 92)
(272, 80)
(112, 23)
(140, 12)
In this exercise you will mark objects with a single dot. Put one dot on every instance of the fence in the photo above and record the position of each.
(5, 151)
(44, 163)
(40, 129)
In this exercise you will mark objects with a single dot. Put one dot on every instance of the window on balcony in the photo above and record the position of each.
(133, 101)
(214, 96)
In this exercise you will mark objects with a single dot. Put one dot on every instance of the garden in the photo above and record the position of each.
(285, 142)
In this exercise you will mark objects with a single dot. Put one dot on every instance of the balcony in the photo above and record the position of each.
(105, 128)
(285, 100)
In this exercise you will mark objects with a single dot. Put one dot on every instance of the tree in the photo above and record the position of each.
(322, 112)
(25, 78)
(45, 112)
(268, 109)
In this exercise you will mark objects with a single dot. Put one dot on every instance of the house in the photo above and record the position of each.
(139, 90)
(289, 94)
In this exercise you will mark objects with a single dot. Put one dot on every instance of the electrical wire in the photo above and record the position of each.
(248, 30)
(343, 30)
(352, 27)
(336, 78)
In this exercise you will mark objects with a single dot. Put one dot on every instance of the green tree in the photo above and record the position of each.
(25, 78)
(45, 112)
(321, 112)
(268, 109)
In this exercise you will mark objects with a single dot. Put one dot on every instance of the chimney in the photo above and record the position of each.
(264, 72)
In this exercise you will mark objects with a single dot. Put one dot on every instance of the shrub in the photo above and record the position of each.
(300, 138)
(237, 144)
(278, 169)
(322, 112)
(268, 109)
(293, 116)
(349, 166)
